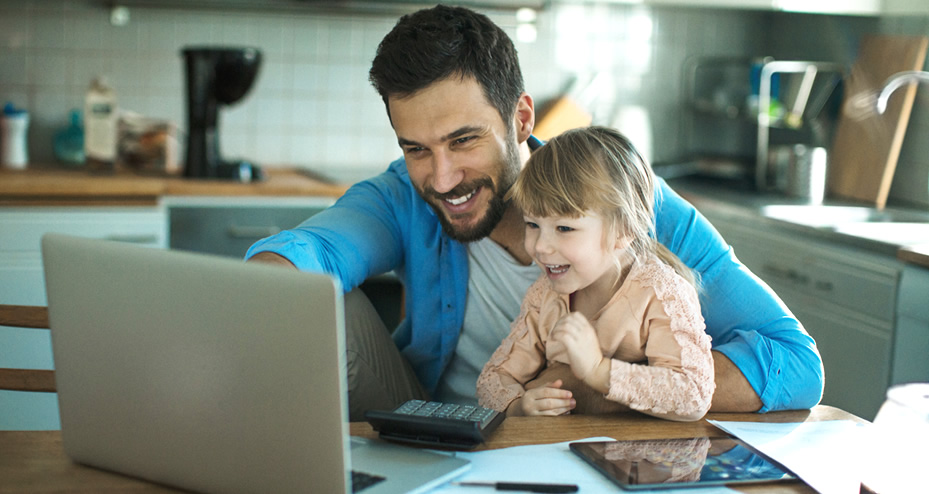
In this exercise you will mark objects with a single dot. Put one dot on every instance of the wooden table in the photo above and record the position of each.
(35, 462)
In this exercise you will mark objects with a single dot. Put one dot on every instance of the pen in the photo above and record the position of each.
(522, 486)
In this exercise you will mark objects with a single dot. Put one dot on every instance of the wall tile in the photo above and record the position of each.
(14, 69)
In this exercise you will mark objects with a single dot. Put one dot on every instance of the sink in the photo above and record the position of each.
(832, 216)
(892, 226)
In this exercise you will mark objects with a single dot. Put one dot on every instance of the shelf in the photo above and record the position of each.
(726, 98)
(801, 108)
(708, 109)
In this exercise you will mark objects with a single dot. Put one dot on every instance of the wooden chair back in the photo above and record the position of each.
(26, 316)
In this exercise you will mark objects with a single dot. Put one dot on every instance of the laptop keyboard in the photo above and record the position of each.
(361, 480)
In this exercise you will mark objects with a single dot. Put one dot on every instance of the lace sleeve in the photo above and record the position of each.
(517, 360)
(662, 388)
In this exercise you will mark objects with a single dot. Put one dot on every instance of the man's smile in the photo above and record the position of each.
(459, 200)
(456, 203)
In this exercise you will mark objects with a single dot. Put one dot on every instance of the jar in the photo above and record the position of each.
(899, 441)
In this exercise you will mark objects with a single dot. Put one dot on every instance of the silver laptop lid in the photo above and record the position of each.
(169, 368)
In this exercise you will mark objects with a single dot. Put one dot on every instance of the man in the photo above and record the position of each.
(453, 89)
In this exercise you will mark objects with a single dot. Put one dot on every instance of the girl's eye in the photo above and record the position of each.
(564, 229)
(530, 224)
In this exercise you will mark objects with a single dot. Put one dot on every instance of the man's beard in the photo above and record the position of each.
(509, 169)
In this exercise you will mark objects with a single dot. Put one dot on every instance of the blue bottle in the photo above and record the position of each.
(69, 141)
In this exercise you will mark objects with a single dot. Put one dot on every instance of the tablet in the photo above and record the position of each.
(678, 463)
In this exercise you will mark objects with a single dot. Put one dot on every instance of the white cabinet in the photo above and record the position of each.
(853, 7)
(849, 7)
(734, 4)
(911, 339)
(22, 282)
(845, 298)
(901, 7)
(228, 226)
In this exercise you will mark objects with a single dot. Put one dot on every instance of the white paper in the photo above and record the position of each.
(826, 455)
(545, 463)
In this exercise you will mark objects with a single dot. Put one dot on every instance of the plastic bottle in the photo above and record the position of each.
(13, 130)
(69, 141)
(100, 126)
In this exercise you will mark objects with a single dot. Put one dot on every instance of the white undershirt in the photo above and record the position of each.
(496, 286)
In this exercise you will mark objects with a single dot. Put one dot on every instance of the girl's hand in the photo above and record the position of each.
(581, 344)
(548, 399)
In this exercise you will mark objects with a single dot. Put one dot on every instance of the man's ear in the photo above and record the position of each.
(524, 117)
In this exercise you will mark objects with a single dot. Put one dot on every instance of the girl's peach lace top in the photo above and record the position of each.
(651, 328)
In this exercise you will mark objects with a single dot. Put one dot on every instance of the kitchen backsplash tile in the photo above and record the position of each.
(312, 105)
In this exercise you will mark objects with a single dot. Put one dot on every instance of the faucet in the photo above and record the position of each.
(897, 80)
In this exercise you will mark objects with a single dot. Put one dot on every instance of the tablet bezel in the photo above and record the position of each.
(608, 469)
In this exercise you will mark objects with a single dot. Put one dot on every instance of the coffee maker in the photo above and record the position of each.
(216, 76)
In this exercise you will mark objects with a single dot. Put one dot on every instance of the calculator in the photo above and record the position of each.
(438, 424)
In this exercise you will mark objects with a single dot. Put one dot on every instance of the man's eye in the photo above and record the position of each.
(413, 149)
(462, 140)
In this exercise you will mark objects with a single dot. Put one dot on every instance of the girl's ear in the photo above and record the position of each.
(622, 242)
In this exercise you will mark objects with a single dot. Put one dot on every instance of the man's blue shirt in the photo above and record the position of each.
(382, 224)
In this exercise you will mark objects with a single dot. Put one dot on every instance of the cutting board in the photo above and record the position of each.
(560, 115)
(867, 144)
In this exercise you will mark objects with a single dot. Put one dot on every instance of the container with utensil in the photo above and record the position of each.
(799, 171)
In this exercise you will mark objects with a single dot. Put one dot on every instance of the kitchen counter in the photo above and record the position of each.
(58, 186)
(915, 254)
(899, 233)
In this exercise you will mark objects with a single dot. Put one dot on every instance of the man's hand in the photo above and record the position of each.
(581, 344)
(548, 399)
(271, 258)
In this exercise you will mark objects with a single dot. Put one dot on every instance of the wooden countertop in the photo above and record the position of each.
(50, 186)
(915, 254)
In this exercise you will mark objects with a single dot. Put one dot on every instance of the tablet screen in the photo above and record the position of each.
(675, 463)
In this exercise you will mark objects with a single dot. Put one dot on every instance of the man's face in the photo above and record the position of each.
(461, 156)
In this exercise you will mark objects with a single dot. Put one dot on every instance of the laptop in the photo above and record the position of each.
(210, 374)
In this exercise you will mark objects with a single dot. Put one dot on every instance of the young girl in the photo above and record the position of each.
(612, 303)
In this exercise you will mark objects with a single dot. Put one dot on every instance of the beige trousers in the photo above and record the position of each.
(379, 377)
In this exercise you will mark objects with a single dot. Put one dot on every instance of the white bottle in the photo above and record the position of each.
(100, 125)
(13, 127)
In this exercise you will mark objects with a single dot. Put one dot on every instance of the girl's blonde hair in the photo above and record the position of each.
(596, 169)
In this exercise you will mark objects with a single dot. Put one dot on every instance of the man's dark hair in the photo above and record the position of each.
(441, 42)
